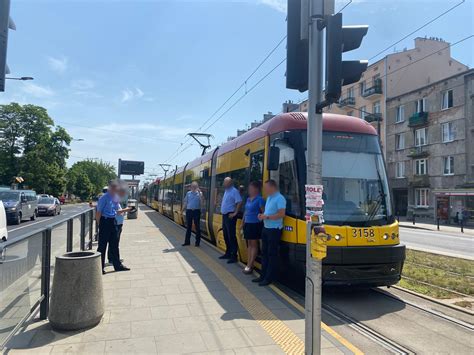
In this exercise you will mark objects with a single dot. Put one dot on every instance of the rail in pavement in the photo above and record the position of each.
(180, 300)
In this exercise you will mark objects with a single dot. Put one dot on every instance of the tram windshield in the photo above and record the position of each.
(355, 182)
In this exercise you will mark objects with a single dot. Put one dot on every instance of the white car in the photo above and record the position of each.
(3, 224)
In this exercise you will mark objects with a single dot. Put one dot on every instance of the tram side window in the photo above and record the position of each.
(256, 166)
(287, 178)
(156, 191)
(204, 183)
(178, 193)
(239, 178)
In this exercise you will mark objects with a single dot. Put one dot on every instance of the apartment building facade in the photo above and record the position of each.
(430, 149)
(397, 73)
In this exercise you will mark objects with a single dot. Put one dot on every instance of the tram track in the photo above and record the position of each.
(377, 337)
(430, 311)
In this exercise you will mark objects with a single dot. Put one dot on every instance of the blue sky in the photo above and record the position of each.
(132, 77)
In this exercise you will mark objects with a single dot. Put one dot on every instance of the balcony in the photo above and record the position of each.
(419, 181)
(418, 119)
(373, 117)
(347, 101)
(419, 152)
(375, 90)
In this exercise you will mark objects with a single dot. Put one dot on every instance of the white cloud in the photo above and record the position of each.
(59, 65)
(82, 84)
(279, 5)
(37, 90)
(130, 94)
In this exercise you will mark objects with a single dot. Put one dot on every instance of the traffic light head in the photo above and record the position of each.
(341, 39)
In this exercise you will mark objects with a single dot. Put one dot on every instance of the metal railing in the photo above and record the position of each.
(26, 264)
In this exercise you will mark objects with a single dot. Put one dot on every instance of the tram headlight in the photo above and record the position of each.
(386, 236)
(394, 236)
(337, 237)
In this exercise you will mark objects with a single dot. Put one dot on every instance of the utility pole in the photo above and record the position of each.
(314, 169)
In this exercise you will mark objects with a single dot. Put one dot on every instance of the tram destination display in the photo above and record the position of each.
(131, 167)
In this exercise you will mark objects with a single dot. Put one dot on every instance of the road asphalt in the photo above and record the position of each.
(451, 244)
(15, 231)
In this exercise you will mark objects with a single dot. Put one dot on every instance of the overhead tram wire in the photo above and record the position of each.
(243, 84)
(346, 5)
(236, 102)
(419, 28)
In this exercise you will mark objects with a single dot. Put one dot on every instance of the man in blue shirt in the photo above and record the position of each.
(272, 218)
(230, 206)
(120, 217)
(192, 206)
(107, 208)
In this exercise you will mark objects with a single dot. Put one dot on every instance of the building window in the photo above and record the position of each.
(422, 197)
(399, 141)
(350, 113)
(421, 105)
(376, 107)
(421, 167)
(447, 132)
(420, 137)
(400, 114)
(362, 88)
(400, 169)
(448, 165)
(363, 112)
(350, 92)
(447, 99)
(375, 79)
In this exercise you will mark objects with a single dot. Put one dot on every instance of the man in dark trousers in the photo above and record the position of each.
(192, 206)
(230, 206)
(272, 218)
(107, 208)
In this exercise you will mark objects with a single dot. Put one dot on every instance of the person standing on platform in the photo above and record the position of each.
(122, 198)
(107, 208)
(192, 206)
(230, 206)
(251, 225)
(272, 218)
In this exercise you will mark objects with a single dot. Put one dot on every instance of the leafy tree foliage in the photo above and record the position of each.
(87, 178)
(32, 147)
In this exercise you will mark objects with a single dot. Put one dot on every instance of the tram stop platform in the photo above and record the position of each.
(178, 300)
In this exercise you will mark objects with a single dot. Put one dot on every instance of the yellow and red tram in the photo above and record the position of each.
(364, 246)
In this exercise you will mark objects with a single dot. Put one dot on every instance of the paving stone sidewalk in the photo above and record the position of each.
(177, 300)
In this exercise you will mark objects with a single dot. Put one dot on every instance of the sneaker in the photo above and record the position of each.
(247, 270)
(185, 244)
(258, 279)
(196, 244)
(225, 256)
(123, 268)
(232, 260)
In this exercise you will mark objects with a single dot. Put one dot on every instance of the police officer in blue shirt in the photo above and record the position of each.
(107, 208)
(230, 206)
(272, 218)
(192, 206)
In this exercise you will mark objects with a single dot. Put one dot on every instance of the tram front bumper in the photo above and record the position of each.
(363, 266)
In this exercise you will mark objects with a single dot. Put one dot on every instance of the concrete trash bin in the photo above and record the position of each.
(77, 299)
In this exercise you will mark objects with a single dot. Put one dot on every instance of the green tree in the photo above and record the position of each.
(31, 146)
(98, 174)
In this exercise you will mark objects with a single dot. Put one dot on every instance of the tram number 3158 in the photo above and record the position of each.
(364, 233)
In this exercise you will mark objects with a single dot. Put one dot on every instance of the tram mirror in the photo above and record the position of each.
(273, 158)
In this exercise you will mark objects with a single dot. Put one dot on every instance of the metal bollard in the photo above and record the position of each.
(462, 226)
(414, 217)
(45, 273)
(437, 220)
(69, 233)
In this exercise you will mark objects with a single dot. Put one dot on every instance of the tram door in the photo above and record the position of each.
(256, 167)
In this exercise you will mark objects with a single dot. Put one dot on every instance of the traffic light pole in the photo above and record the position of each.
(314, 173)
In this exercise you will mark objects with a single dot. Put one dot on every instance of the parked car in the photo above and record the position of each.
(48, 206)
(3, 224)
(19, 205)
